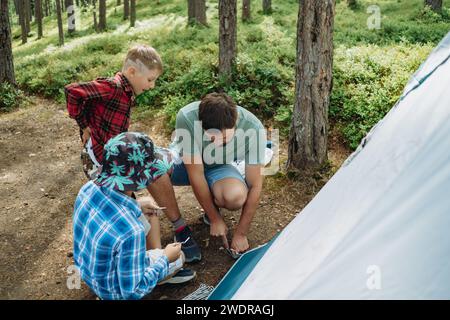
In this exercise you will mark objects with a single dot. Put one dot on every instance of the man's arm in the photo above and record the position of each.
(254, 180)
(194, 168)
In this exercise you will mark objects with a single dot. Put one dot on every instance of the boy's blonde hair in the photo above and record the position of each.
(143, 57)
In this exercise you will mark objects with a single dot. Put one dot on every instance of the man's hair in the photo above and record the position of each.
(217, 111)
(143, 57)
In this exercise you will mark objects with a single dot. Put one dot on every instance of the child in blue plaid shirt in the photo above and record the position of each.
(111, 234)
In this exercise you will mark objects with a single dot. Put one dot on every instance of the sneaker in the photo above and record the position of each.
(190, 248)
(182, 276)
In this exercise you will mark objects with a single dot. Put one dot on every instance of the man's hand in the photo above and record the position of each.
(85, 136)
(239, 243)
(150, 207)
(219, 229)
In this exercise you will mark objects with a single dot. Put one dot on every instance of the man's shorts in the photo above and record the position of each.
(179, 176)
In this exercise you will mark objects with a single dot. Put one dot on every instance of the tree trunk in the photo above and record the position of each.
(132, 13)
(118, 3)
(60, 24)
(435, 5)
(46, 8)
(191, 12)
(200, 12)
(71, 25)
(94, 10)
(246, 12)
(31, 9)
(16, 7)
(6, 55)
(126, 9)
(22, 20)
(267, 6)
(227, 38)
(309, 127)
(38, 12)
(197, 12)
(102, 15)
(28, 15)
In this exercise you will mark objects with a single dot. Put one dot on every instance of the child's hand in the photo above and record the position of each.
(85, 136)
(150, 207)
(173, 251)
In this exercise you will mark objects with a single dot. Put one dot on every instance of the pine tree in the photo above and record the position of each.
(60, 25)
(38, 14)
(435, 5)
(6, 55)
(309, 126)
(101, 15)
(197, 12)
(227, 38)
(132, 13)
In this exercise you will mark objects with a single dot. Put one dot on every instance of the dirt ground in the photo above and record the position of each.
(40, 175)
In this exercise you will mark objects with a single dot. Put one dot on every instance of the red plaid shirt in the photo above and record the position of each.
(103, 105)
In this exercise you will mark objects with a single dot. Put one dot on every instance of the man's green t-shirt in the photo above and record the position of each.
(248, 142)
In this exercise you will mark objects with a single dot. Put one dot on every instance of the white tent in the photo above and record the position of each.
(380, 228)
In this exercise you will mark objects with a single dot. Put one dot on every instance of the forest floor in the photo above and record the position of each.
(40, 175)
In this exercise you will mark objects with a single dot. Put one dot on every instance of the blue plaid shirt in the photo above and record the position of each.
(109, 245)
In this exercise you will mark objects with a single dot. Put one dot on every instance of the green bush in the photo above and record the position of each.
(368, 80)
(10, 97)
(401, 21)
(427, 15)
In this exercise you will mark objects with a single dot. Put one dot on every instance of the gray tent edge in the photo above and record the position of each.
(428, 67)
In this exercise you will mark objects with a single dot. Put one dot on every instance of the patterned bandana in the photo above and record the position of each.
(131, 163)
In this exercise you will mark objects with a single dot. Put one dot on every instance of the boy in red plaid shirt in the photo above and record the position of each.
(102, 110)
(102, 107)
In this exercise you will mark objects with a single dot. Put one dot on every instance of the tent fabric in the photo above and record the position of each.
(379, 229)
(238, 272)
